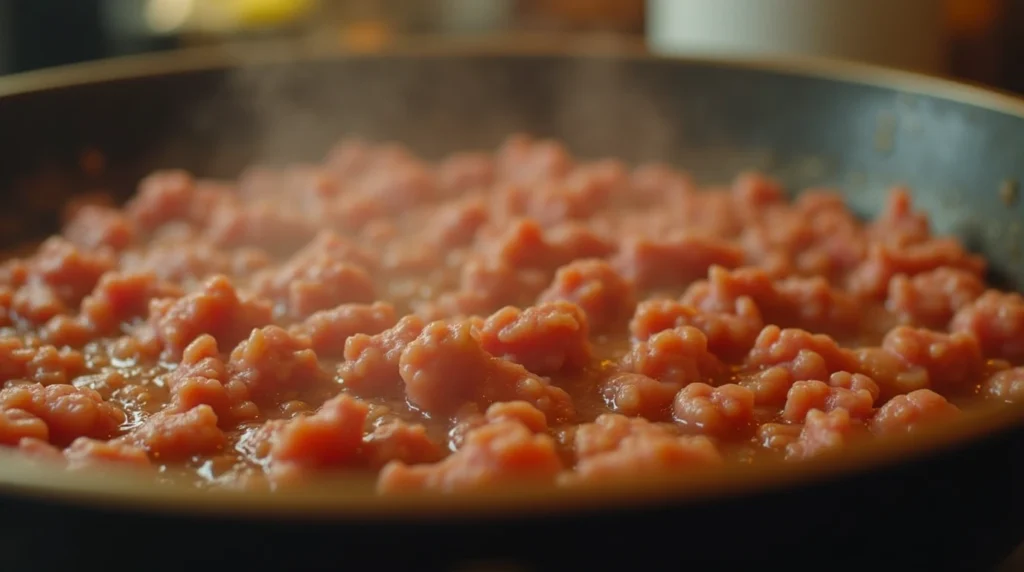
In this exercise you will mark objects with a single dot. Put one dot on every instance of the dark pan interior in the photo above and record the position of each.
(713, 119)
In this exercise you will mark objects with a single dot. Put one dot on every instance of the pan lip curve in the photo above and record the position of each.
(216, 58)
(128, 493)
(115, 492)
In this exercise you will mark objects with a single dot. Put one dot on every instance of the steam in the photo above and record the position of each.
(275, 114)
(603, 103)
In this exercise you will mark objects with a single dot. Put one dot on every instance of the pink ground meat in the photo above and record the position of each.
(447, 367)
(605, 297)
(717, 411)
(823, 433)
(637, 395)
(328, 330)
(679, 355)
(1006, 385)
(492, 319)
(546, 339)
(495, 454)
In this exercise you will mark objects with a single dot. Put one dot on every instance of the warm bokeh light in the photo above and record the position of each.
(971, 16)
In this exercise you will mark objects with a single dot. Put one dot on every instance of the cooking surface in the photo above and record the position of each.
(433, 322)
(890, 150)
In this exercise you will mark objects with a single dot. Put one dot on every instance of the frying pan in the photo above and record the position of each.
(945, 499)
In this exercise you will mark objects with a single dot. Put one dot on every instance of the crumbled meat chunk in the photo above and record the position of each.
(488, 320)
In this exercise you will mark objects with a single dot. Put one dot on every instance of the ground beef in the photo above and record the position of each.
(493, 319)
(447, 367)
(503, 453)
(548, 338)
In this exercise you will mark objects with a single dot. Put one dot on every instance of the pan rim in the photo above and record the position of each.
(215, 58)
(112, 490)
(349, 499)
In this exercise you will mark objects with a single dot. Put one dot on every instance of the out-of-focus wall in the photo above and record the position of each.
(980, 40)
(42, 33)
(904, 33)
(5, 36)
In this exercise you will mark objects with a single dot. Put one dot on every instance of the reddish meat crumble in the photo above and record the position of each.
(492, 318)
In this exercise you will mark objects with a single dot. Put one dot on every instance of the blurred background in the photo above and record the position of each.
(977, 40)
